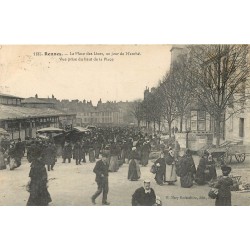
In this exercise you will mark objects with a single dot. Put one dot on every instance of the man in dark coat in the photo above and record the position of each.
(67, 152)
(144, 196)
(20, 150)
(50, 156)
(77, 153)
(101, 170)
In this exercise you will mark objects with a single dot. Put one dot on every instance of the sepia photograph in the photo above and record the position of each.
(125, 125)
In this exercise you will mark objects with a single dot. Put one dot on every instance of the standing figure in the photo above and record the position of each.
(97, 147)
(200, 177)
(50, 156)
(2, 161)
(134, 172)
(114, 164)
(19, 151)
(83, 146)
(77, 153)
(210, 171)
(145, 150)
(170, 174)
(160, 165)
(144, 196)
(91, 152)
(39, 195)
(67, 152)
(224, 184)
(187, 170)
(101, 170)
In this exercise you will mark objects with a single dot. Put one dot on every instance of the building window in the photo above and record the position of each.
(200, 121)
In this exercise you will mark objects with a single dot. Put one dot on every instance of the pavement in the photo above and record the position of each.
(72, 185)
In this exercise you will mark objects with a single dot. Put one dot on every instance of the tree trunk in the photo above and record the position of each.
(217, 133)
(159, 125)
(139, 123)
(154, 126)
(181, 121)
(169, 129)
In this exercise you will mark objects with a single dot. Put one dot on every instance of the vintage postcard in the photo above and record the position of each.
(125, 125)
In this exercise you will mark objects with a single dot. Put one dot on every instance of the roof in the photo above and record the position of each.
(10, 96)
(50, 129)
(35, 100)
(17, 112)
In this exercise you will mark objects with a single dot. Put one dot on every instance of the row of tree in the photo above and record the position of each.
(214, 76)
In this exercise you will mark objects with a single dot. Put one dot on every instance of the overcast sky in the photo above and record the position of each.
(125, 78)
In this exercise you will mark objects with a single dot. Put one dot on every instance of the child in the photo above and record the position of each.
(224, 184)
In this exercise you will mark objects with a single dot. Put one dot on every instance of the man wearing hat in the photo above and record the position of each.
(224, 187)
(144, 196)
(101, 170)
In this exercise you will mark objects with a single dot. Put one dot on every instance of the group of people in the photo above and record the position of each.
(11, 153)
(204, 174)
(116, 147)
(118, 144)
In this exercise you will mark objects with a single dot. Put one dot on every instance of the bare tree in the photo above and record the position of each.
(181, 86)
(218, 74)
(137, 111)
(168, 100)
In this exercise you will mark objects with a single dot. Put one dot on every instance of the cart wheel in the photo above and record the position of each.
(240, 157)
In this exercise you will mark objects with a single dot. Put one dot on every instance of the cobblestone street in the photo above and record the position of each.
(71, 185)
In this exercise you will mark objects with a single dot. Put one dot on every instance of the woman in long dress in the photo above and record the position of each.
(145, 150)
(91, 152)
(134, 172)
(170, 174)
(39, 195)
(114, 163)
(2, 161)
(187, 170)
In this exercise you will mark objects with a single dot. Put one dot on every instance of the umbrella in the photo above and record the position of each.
(81, 129)
(50, 130)
(3, 132)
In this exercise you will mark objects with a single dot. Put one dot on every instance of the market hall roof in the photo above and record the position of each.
(16, 112)
(10, 96)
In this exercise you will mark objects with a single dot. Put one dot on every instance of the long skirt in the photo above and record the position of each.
(223, 201)
(2, 162)
(159, 177)
(170, 174)
(144, 158)
(122, 156)
(187, 180)
(133, 171)
(39, 197)
(91, 155)
(114, 163)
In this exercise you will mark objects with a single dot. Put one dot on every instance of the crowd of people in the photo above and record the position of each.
(116, 146)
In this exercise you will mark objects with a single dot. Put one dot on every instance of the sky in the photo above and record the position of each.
(90, 72)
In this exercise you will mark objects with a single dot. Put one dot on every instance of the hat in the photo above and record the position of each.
(226, 168)
(146, 181)
(134, 148)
